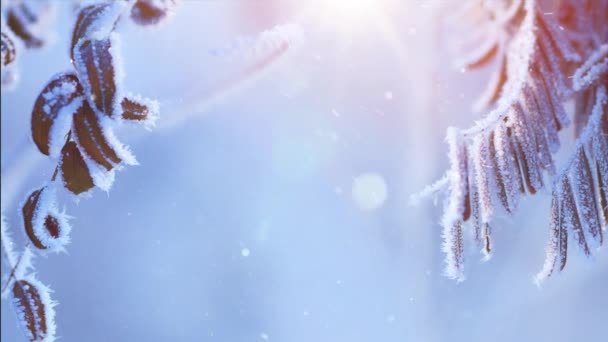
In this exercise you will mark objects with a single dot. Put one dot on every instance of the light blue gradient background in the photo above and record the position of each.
(159, 257)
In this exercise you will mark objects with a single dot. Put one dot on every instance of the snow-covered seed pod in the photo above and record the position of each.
(74, 170)
(46, 227)
(34, 309)
(151, 12)
(53, 111)
(95, 62)
(7, 48)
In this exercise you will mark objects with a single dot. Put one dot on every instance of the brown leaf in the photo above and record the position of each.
(95, 18)
(62, 91)
(95, 67)
(31, 309)
(587, 205)
(602, 196)
(495, 167)
(134, 110)
(28, 211)
(91, 139)
(570, 216)
(46, 228)
(146, 12)
(20, 19)
(8, 49)
(74, 170)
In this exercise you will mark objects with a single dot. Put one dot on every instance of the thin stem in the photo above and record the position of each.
(13, 267)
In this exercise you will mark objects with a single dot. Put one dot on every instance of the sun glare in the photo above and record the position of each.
(347, 14)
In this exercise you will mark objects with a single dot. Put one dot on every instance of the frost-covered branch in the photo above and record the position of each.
(507, 154)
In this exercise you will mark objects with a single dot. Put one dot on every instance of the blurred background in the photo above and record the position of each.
(275, 206)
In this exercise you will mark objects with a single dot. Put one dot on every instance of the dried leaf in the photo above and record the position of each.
(586, 203)
(602, 196)
(481, 166)
(34, 309)
(52, 113)
(7, 48)
(74, 170)
(46, 227)
(557, 247)
(20, 19)
(28, 213)
(96, 70)
(151, 12)
(498, 177)
(526, 151)
(96, 21)
(139, 109)
(90, 137)
(570, 216)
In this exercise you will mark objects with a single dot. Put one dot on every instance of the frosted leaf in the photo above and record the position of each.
(139, 109)
(570, 215)
(549, 62)
(53, 110)
(74, 171)
(90, 137)
(537, 131)
(122, 151)
(544, 128)
(558, 39)
(46, 227)
(7, 49)
(557, 247)
(96, 65)
(102, 178)
(507, 168)
(152, 12)
(549, 121)
(96, 21)
(460, 202)
(9, 59)
(34, 309)
(101, 151)
(453, 248)
(28, 20)
(495, 167)
(584, 193)
(551, 97)
(481, 166)
(593, 69)
(526, 151)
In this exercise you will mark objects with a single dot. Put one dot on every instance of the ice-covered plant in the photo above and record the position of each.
(548, 53)
(73, 119)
